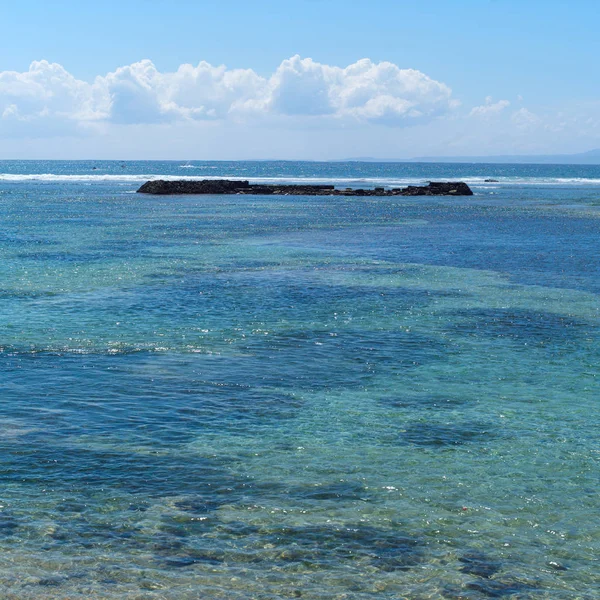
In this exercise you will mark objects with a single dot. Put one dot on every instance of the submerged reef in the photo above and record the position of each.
(229, 186)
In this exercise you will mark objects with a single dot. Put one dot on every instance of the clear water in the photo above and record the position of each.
(284, 397)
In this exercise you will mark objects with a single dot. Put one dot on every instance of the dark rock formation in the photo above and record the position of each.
(490, 181)
(228, 186)
(435, 188)
(206, 186)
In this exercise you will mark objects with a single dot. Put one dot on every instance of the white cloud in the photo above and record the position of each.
(46, 88)
(139, 93)
(46, 92)
(365, 90)
(132, 94)
(302, 87)
(524, 118)
(489, 109)
(47, 98)
(207, 92)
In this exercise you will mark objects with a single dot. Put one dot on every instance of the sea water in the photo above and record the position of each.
(299, 397)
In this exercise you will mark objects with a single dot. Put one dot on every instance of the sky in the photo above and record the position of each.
(300, 79)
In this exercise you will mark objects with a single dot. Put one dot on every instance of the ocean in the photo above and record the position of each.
(234, 397)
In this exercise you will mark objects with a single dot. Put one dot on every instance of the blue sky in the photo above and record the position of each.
(494, 77)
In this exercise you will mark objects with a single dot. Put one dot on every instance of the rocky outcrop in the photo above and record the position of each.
(436, 188)
(205, 186)
(229, 186)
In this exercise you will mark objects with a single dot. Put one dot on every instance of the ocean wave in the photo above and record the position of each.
(555, 181)
(84, 178)
(198, 167)
(128, 178)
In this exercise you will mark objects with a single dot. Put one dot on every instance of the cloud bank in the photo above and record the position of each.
(303, 109)
(48, 100)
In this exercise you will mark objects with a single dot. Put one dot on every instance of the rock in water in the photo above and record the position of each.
(205, 186)
(229, 186)
(437, 188)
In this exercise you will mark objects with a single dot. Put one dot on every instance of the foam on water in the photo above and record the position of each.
(338, 181)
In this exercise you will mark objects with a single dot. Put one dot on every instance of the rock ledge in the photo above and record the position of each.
(230, 186)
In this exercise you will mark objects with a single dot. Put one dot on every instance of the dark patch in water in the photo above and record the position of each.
(186, 523)
(179, 561)
(446, 435)
(8, 525)
(327, 546)
(138, 507)
(319, 360)
(248, 491)
(193, 557)
(237, 529)
(210, 402)
(198, 505)
(520, 325)
(494, 588)
(79, 531)
(175, 552)
(341, 490)
(166, 543)
(51, 581)
(60, 535)
(81, 469)
(141, 396)
(71, 506)
(479, 565)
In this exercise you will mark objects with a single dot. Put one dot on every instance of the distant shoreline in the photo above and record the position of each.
(484, 161)
(589, 158)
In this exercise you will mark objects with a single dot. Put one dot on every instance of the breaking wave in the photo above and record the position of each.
(130, 178)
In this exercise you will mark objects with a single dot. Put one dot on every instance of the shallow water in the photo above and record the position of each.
(284, 397)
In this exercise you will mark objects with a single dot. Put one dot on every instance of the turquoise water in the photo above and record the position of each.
(283, 397)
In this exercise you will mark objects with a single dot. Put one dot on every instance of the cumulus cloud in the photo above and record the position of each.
(132, 94)
(139, 93)
(45, 93)
(367, 91)
(490, 108)
(46, 88)
(47, 96)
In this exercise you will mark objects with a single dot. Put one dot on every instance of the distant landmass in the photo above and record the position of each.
(592, 157)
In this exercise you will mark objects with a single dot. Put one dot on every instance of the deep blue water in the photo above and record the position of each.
(282, 397)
